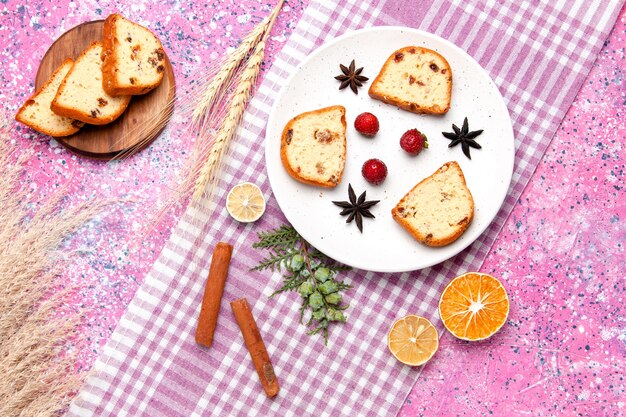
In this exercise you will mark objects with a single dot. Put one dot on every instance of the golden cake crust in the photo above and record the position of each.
(133, 59)
(313, 146)
(36, 114)
(439, 209)
(81, 96)
(415, 79)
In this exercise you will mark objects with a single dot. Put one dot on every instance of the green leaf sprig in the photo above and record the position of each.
(309, 272)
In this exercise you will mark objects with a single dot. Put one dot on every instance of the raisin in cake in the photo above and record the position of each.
(438, 209)
(313, 146)
(133, 58)
(36, 113)
(415, 79)
(81, 96)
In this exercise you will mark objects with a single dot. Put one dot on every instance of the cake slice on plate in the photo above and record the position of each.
(81, 95)
(438, 209)
(133, 58)
(313, 146)
(36, 113)
(415, 79)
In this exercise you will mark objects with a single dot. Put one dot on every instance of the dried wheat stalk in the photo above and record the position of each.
(217, 85)
(149, 129)
(36, 371)
(207, 175)
(214, 106)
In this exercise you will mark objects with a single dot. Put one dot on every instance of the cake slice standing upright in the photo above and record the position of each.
(81, 95)
(133, 58)
(36, 113)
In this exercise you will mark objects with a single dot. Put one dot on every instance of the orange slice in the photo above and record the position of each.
(413, 340)
(474, 306)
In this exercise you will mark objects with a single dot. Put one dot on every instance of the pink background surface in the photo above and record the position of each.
(561, 258)
(560, 254)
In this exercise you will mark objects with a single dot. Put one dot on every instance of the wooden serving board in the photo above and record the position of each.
(136, 128)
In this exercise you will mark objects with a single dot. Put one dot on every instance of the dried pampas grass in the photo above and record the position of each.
(36, 367)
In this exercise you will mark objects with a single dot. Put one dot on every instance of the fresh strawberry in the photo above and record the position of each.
(374, 171)
(413, 141)
(366, 124)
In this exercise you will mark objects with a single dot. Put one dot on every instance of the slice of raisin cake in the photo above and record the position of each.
(439, 208)
(81, 96)
(133, 58)
(36, 113)
(415, 79)
(313, 146)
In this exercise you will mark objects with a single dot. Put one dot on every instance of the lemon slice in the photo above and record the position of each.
(245, 202)
(413, 340)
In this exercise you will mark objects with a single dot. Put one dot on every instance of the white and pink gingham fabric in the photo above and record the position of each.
(537, 52)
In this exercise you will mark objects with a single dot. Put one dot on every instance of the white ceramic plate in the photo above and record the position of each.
(384, 245)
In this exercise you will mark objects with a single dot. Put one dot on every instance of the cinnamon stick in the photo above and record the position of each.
(256, 347)
(213, 293)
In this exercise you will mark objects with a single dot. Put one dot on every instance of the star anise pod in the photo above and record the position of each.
(356, 209)
(351, 77)
(464, 137)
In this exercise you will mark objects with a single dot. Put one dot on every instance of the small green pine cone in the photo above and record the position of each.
(306, 289)
(319, 314)
(297, 262)
(316, 301)
(322, 274)
(337, 316)
(328, 287)
(334, 298)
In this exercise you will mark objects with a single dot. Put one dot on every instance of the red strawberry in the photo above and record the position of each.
(413, 141)
(374, 171)
(366, 124)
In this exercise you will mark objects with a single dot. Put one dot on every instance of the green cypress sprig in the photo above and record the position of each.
(274, 261)
(282, 239)
(308, 272)
(282, 245)
(290, 283)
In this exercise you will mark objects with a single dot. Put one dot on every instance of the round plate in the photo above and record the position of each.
(136, 128)
(384, 245)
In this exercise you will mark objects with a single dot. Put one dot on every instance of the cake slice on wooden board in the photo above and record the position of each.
(313, 146)
(36, 113)
(438, 209)
(415, 79)
(133, 58)
(81, 95)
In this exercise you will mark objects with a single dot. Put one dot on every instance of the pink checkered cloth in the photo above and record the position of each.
(537, 52)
